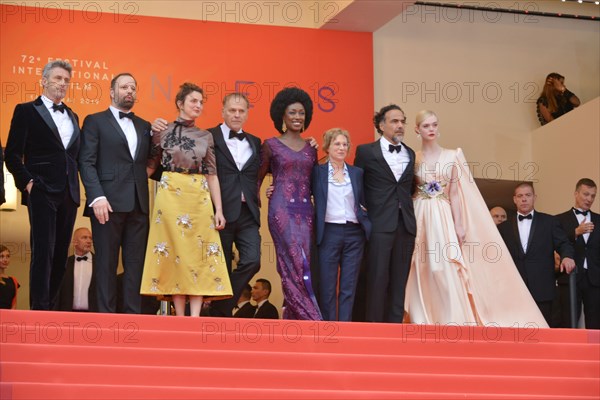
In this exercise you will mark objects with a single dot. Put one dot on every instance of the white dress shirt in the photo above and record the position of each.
(239, 306)
(128, 128)
(340, 199)
(580, 219)
(524, 229)
(62, 120)
(81, 282)
(259, 305)
(397, 161)
(240, 149)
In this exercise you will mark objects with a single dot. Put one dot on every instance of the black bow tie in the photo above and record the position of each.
(528, 216)
(239, 136)
(395, 148)
(584, 213)
(59, 107)
(82, 258)
(126, 115)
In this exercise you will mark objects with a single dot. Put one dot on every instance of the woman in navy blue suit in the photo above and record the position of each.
(342, 226)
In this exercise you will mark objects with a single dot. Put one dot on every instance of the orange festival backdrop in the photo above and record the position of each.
(335, 68)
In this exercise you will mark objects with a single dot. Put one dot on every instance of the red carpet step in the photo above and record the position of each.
(53, 355)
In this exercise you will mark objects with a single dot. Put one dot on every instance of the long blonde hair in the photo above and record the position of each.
(423, 115)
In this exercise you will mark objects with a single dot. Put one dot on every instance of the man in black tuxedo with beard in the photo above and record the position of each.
(388, 166)
(583, 229)
(115, 146)
(41, 153)
(238, 159)
(532, 237)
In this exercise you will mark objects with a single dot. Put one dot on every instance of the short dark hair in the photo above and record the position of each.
(185, 89)
(286, 97)
(237, 96)
(586, 182)
(3, 248)
(113, 82)
(265, 284)
(246, 290)
(380, 115)
(524, 184)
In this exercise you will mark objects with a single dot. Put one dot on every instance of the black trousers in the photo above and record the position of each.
(51, 217)
(244, 233)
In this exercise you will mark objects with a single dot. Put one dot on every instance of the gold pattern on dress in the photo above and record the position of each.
(164, 182)
(194, 180)
(200, 241)
(212, 268)
(178, 192)
(213, 249)
(219, 284)
(161, 249)
(177, 290)
(158, 215)
(154, 286)
(194, 275)
(186, 223)
(204, 184)
(177, 260)
(212, 222)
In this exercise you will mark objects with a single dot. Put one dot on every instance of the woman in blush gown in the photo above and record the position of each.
(462, 272)
(290, 159)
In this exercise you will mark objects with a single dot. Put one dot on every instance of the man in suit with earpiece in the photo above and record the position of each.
(78, 288)
(260, 294)
(532, 238)
(583, 229)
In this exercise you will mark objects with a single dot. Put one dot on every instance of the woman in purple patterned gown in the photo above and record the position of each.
(290, 159)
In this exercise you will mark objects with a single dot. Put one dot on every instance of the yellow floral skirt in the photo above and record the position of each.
(184, 254)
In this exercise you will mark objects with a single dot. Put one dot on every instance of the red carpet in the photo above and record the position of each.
(50, 355)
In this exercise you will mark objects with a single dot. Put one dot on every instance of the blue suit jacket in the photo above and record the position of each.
(320, 187)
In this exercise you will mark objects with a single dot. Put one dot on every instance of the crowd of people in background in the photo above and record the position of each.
(397, 223)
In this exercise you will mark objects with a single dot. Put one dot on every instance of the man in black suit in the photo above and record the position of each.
(114, 149)
(78, 289)
(260, 294)
(238, 160)
(388, 166)
(41, 153)
(532, 237)
(579, 222)
(243, 308)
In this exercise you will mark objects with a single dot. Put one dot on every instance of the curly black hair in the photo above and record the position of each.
(286, 97)
(380, 116)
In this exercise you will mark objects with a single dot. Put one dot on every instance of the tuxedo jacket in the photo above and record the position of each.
(589, 250)
(267, 311)
(247, 311)
(320, 188)
(107, 167)
(536, 266)
(34, 151)
(233, 181)
(64, 300)
(383, 193)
